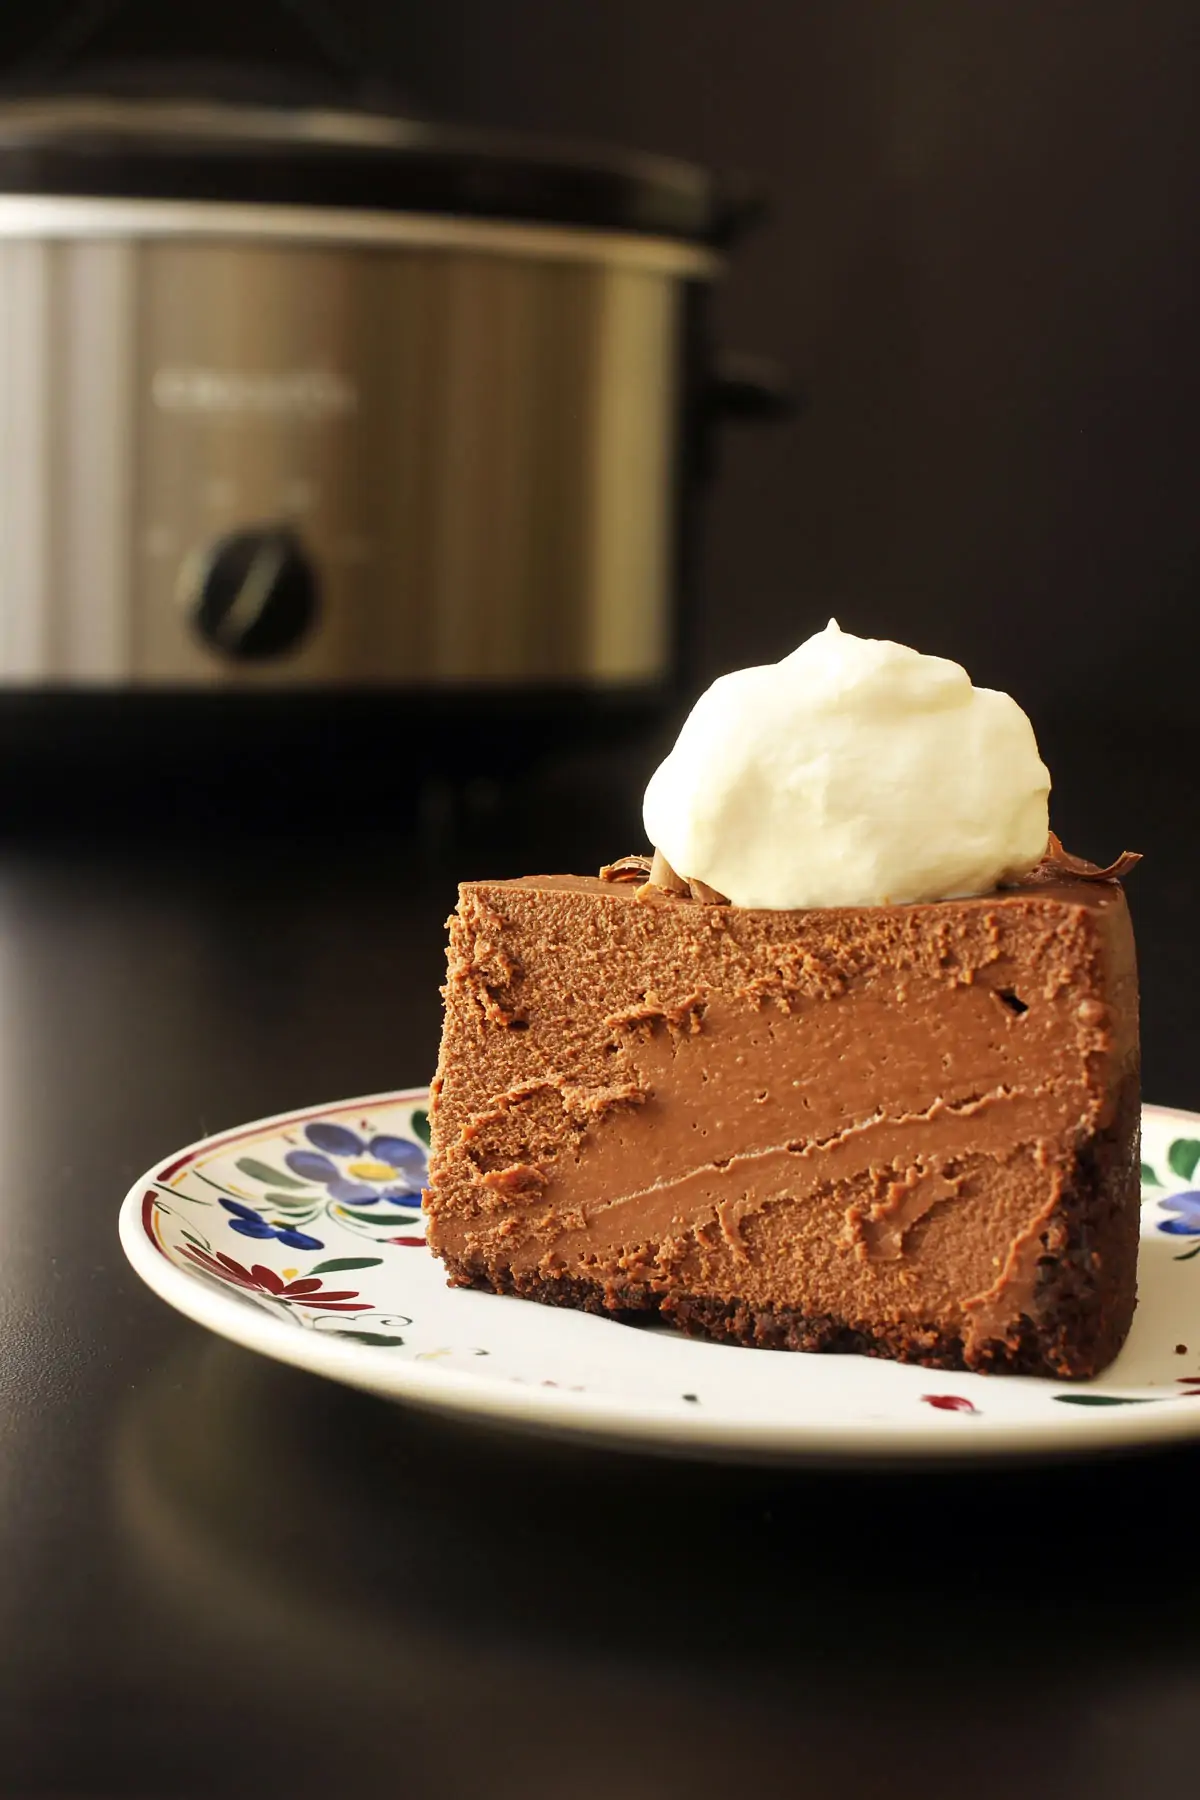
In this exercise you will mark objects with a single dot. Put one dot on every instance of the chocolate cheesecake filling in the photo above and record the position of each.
(904, 1128)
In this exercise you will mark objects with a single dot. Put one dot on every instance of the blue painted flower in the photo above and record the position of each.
(361, 1171)
(1187, 1205)
(251, 1224)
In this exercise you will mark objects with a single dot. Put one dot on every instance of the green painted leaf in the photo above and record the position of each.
(201, 1245)
(1101, 1400)
(290, 1202)
(344, 1262)
(420, 1124)
(261, 1171)
(371, 1337)
(1187, 1255)
(381, 1218)
(1149, 1178)
(1183, 1156)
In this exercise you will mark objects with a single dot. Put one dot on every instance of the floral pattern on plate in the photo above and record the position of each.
(1180, 1204)
(303, 1237)
(274, 1187)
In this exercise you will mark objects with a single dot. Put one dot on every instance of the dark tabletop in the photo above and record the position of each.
(219, 1575)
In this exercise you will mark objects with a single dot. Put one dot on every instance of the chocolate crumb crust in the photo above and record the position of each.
(1036, 1349)
(908, 1132)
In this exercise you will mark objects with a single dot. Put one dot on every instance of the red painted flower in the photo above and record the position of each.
(260, 1280)
(949, 1403)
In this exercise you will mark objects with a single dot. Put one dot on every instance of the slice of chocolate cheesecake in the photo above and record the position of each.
(909, 1131)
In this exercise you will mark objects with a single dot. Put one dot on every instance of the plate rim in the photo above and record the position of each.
(583, 1416)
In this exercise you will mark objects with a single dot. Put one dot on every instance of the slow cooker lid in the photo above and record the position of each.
(174, 143)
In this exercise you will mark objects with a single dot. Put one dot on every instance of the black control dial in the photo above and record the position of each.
(256, 594)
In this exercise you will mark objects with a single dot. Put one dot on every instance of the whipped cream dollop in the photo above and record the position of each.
(855, 772)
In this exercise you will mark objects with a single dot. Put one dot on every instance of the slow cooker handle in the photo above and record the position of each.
(751, 390)
(739, 204)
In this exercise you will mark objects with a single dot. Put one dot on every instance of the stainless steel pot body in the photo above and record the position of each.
(267, 445)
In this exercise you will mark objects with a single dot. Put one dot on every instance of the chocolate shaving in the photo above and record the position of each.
(626, 868)
(656, 875)
(1061, 862)
(662, 875)
(700, 890)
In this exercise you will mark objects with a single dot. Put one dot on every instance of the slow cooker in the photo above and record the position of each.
(297, 395)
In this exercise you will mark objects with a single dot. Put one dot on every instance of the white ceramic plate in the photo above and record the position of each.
(302, 1237)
